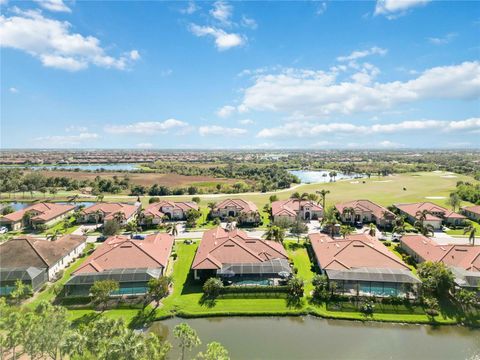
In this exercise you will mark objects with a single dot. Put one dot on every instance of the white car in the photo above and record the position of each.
(3, 230)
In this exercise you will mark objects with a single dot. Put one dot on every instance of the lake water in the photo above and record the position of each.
(314, 338)
(22, 205)
(89, 167)
(321, 176)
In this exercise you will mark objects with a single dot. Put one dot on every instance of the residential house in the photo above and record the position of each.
(292, 209)
(130, 262)
(360, 265)
(169, 210)
(35, 261)
(246, 211)
(365, 211)
(472, 212)
(103, 212)
(463, 260)
(42, 213)
(437, 216)
(239, 258)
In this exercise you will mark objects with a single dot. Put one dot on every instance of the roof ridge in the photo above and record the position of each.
(36, 251)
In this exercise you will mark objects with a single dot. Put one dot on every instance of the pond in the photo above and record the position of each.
(89, 167)
(321, 176)
(314, 338)
(22, 205)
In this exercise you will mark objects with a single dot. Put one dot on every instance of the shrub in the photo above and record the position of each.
(295, 287)
(212, 287)
(153, 199)
(110, 228)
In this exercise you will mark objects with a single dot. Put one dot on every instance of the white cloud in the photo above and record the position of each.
(390, 144)
(305, 130)
(321, 8)
(66, 140)
(249, 22)
(442, 40)
(190, 9)
(226, 111)
(76, 128)
(375, 50)
(395, 8)
(147, 127)
(223, 40)
(220, 131)
(145, 145)
(14, 90)
(222, 11)
(55, 45)
(54, 5)
(247, 122)
(309, 93)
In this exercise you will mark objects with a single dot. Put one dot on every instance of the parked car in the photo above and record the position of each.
(382, 237)
(101, 238)
(3, 230)
(359, 225)
(396, 237)
(138, 237)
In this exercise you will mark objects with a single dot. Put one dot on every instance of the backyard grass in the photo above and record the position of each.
(459, 232)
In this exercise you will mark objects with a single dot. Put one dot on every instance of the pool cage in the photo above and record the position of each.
(374, 282)
(255, 273)
(32, 276)
(131, 281)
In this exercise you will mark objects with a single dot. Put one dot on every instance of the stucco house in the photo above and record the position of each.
(42, 213)
(437, 216)
(35, 261)
(365, 211)
(103, 212)
(239, 258)
(463, 260)
(472, 212)
(245, 211)
(130, 262)
(169, 210)
(292, 209)
(360, 265)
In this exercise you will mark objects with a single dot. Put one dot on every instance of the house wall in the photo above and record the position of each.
(225, 213)
(65, 261)
(54, 220)
(471, 215)
(176, 214)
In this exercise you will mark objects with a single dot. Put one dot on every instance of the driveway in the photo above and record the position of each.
(445, 239)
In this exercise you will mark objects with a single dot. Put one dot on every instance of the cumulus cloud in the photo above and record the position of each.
(442, 40)
(395, 8)
(66, 140)
(145, 145)
(55, 45)
(310, 93)
(293, 129)
(54, 5)
(220, 130)
(246, 122)
(76, 128)
(223, 40)
(222, 12)
(147, 127)
(249, 22)
(321, 8)
(226, 111)
(190, 9)
(375, 50)
(13, 90)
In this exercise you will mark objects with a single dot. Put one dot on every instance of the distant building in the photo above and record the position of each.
(246, 211)
(438, 214)
(42, 213)
(237, 257)
(365, 211)
(130, 262)
(169, 210)
(292, 209)
(472, 212)
(360, 265)
(103, 212)
(463, 260)
(35, 261)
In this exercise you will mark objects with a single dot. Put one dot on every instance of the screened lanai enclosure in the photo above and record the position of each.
(270, 272)
(131, 281)
(374, 282)
(32, 276)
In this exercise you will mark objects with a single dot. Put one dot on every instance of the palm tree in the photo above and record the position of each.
(323, 194)
(275, 233)
(172, 229)
(372, 229)
(425, 230)
(97, 215)
(330, 220)
(119, 217)
(100, 197)
(27, 219)
(421, 215)
(399, 225)
(211, 205)
(350, 212)
(346, 230)
(133, 227)
(73, 199)
(333, 175)
(230, 226)
(54, 235)
(297, 197)
(472, 231)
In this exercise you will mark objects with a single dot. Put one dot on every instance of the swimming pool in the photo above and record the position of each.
(261, 282)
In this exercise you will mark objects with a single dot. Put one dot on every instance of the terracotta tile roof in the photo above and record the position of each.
(110, 209)
(290, 207)
(365, 206)
(153, 210)
(463, 256)
(181, 205)
(219, 247)
(474, 209)
(46, 212)
(28, 251)
(412, 209)
(121, 252)
(240, 204)
(356, 251)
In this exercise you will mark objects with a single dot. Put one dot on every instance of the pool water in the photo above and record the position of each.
(263, 282)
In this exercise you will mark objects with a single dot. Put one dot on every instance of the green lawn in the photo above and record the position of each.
(460, 231)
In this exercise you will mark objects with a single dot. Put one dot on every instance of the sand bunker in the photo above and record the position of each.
(435, 197)
(449, 176)
(382, 181)
(354, 182)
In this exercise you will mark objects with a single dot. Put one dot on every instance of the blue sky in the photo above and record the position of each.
(243, 75)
